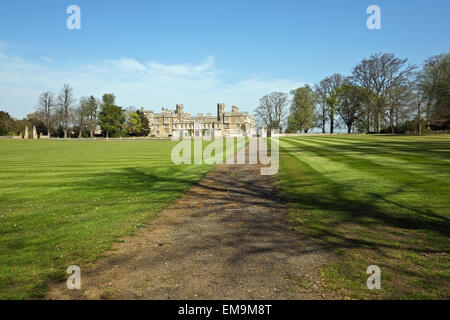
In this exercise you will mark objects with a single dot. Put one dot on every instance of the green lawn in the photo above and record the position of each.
(380, 200)
(373, 200)
(66, 202)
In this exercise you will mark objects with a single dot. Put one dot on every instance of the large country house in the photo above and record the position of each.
(176, 123)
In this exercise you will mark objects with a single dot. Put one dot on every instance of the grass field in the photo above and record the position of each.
(374, 200)
(381, 200)
(66, 202)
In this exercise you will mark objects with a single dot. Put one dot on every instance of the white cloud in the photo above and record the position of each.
(182, 70)
(148, 84)
(127, 65)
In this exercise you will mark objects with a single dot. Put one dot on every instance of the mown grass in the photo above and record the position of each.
(374, 200)
(66, 202)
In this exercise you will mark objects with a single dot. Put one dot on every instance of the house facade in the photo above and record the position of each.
(177, 123)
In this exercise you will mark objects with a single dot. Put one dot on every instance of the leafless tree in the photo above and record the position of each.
(323, 92)
(46, 105)
(400, 101)
(92, 114)
(65, 103)
(81, 115)
(272, 110)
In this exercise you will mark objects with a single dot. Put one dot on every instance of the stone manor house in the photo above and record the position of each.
(176, 123)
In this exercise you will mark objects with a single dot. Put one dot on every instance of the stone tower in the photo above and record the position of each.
(220, 111)
(180, 109)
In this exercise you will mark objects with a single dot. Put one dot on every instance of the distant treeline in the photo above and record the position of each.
(384, 94)
(62, 116)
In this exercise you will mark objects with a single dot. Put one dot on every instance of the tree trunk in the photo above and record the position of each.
(391, 120)
(65, 133)
(349, 129)
(92, 133)
(323, 126)
(332, 122)
(419, 125)
(428, 115)
(378, 122)
(396, 118)
(368, 121)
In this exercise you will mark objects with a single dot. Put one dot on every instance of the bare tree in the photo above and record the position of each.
(381, 73)
(92, 114)
(46, 105)
(418, 105)
(335, 81)
(399, 101)
(434, 83)
(81, 115)
(65, 104)
(322, 92)
(272, 110)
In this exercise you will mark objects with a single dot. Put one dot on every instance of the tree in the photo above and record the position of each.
(65, 104)
(336, 81)
(34, 120)
(6, 123)
(145, 128)
(109, 99)
(434, 85)
(418, 107)
(399, 101)
(81, 115)
(326, 99)
(46, 105)
(322, 92)
(111, 117)
(352, 100)
(332, 103)
(302, 110)
(441, 112)
(272, 110)
(133, 124)
(20, 125)
(92, 106)
(380, 74)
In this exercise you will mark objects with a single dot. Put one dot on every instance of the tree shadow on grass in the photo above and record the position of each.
(308, 190)
(327, 196)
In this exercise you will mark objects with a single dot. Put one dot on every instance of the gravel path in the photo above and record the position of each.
(227, 238)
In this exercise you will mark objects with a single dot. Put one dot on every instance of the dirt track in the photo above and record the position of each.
(227, 238)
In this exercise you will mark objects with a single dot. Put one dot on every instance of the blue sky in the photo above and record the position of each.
(160, 53)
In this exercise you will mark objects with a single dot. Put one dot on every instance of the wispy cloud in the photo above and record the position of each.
(148, 84)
